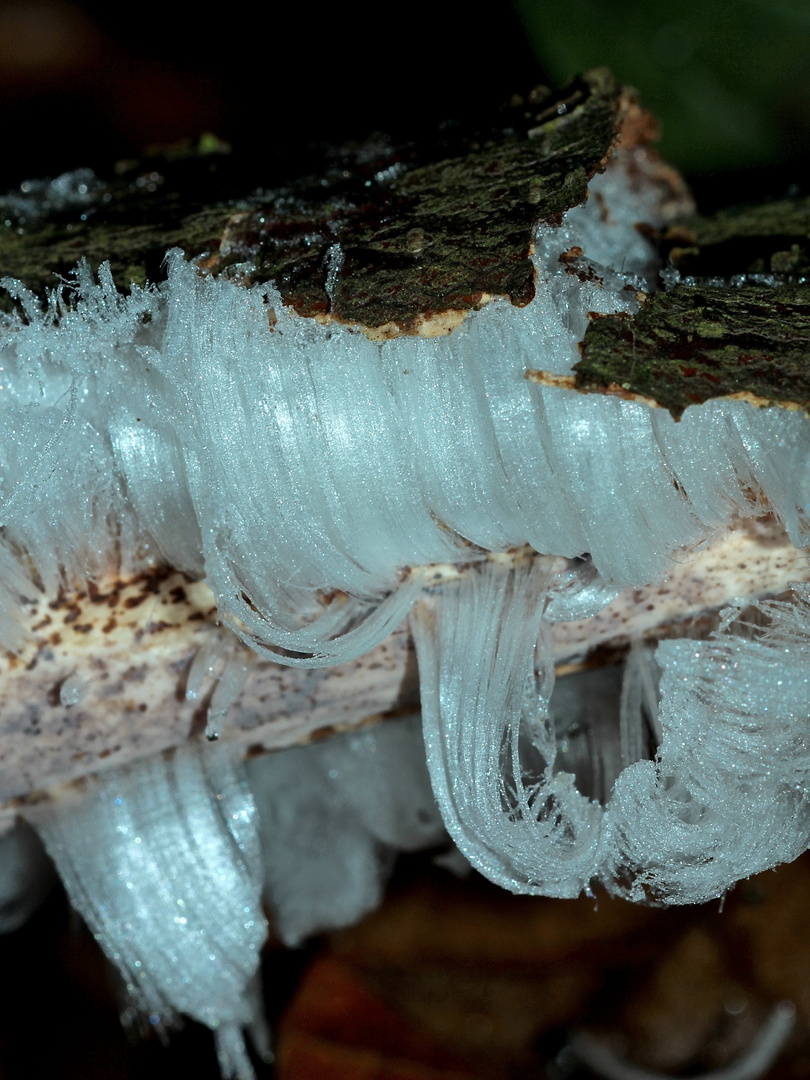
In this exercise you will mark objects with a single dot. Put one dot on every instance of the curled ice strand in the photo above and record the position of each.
(755, 1063)
(339, 632)
(490, 750)
(207, 664)
(218, 674)
(228, 689)
(726, 796)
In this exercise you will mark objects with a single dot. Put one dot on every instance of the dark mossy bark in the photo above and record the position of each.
(416, 230)
(769, 238)
(699, 341)
(732, 319)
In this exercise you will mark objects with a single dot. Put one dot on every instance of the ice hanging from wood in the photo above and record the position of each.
(332, 817)
(490, 749)
(162, 860)
(727, 794)
(309, 472)
(312, 475)
(725, 797)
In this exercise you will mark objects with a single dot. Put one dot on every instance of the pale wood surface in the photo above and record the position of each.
(125, 651)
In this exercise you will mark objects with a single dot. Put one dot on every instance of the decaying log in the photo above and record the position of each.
(103, 678)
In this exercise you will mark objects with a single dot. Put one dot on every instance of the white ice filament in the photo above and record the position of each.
(725, 797)
(306, 471)
(332, 816)
(162, 860)
(490, 749)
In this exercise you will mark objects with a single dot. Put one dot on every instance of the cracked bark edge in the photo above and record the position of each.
(732, 321)
(425, 233)
(698, 342)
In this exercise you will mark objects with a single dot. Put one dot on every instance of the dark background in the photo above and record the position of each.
(87, 83)
(81, 84)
